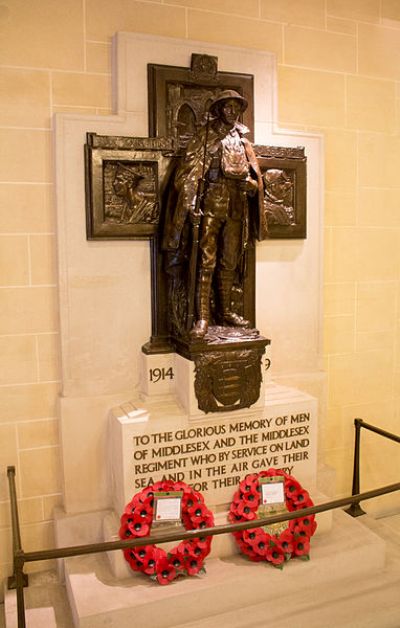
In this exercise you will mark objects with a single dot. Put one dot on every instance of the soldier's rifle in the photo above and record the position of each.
(196, 218)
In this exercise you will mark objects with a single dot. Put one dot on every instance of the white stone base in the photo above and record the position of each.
(98, 599)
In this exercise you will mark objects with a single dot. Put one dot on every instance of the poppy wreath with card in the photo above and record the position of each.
(265, 545)
(187, 558)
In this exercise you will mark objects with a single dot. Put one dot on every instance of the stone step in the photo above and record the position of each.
(370, 600)
(46, 605)
(232, 585)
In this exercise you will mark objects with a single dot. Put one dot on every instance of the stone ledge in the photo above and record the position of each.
(96, 597)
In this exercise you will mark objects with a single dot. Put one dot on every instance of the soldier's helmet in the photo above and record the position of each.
(227, 94)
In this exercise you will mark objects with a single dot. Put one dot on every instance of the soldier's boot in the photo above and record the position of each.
(203, 305)
(225, 283)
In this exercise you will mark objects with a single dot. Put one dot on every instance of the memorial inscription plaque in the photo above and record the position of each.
(214, 454)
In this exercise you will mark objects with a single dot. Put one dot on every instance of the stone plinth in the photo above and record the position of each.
(173, 373)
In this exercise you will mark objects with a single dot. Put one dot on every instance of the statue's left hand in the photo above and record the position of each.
(250, 186)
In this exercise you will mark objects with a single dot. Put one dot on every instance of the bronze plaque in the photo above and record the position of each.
(285, 188)
(227, 380)
(179, 98)
(125, 179)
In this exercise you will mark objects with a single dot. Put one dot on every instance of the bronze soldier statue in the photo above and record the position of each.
(214, 181)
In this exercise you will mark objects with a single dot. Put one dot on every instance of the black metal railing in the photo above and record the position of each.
(355, 509)
(18, 580)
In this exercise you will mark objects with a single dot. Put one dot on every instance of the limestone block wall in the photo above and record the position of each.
(338, 74)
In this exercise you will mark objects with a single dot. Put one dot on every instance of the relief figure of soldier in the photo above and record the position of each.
(279, 197)
(218, 208)
(137, 206)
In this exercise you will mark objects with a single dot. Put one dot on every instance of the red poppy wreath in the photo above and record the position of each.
(187, 558)
(279, 542)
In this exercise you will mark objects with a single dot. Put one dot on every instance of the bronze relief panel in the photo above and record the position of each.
(285, 187)
(179, 98)
(125, 181)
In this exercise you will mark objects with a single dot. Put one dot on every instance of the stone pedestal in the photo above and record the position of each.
(193, 375)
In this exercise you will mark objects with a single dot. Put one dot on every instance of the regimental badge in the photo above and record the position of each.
(227, 380)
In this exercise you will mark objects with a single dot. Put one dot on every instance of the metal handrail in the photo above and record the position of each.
(93, 548)
(19, 579)
(355, 509)
(21, 557)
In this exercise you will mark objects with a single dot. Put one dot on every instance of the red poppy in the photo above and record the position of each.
(254, 535)
(292, 525)
(147, 493)
(165, 571)
(198, 496)
(124, 532)
(261, 543)
(186, 521)
(310, 523)
(301, 546)
(191, 499)
(181, 486)
(292, 487)
(133, 561)
(198, 514)
(153, 558)
(252, 498)
(193, 565)
(143, 552)
(275, 554)
(243, 510)
(301, 499)
(130, 508)
(233, 518)
(204, 542)
(208, 522)
(235, 503)
(139, 526)
(304, 527)
(125, 518)
(176, 558)
(249, 483)
(157, 487)
(286, 541)
(133, 526)
(144, 510)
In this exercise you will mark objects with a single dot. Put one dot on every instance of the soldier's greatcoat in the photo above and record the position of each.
(195, 164)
